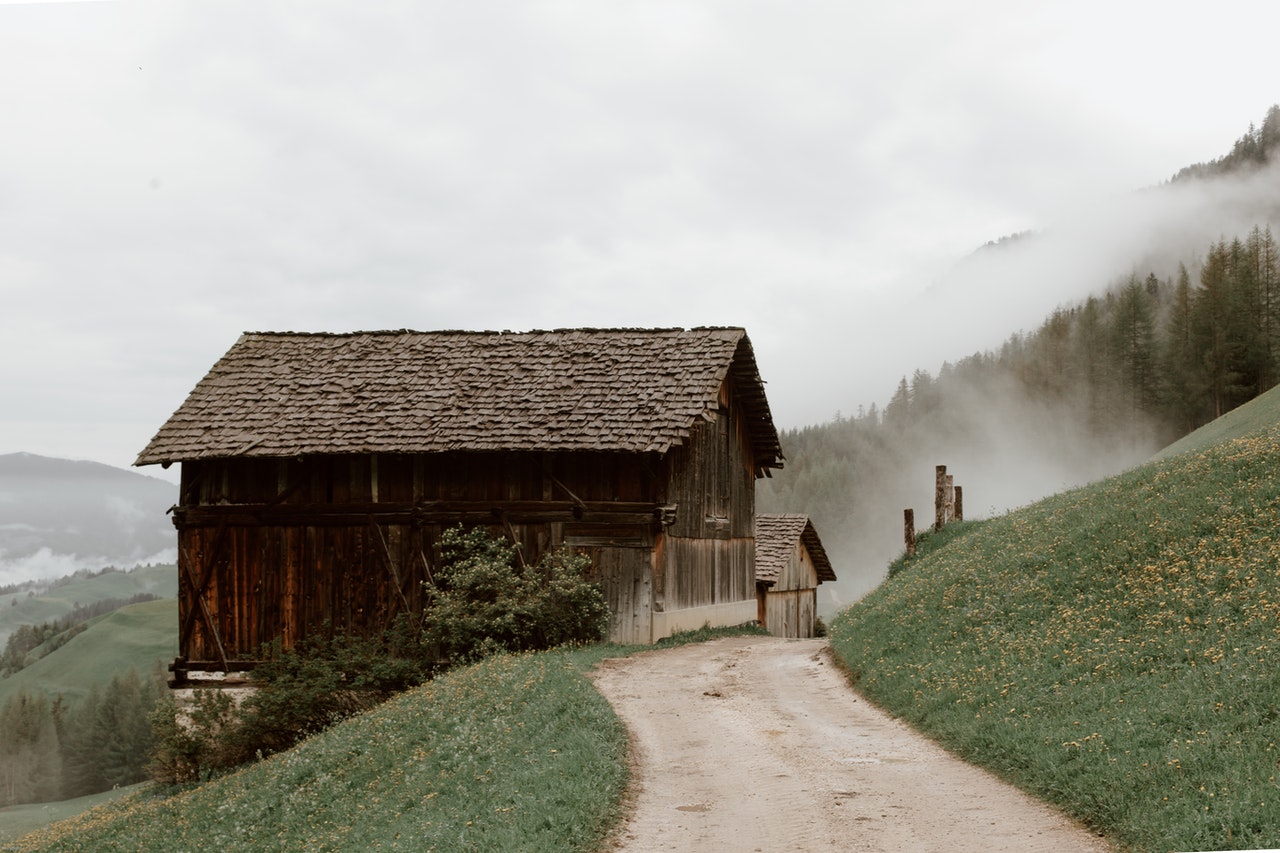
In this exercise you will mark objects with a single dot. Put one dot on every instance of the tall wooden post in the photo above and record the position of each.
(909, 530)
(951, 499)
(940, 497)
(959, 513)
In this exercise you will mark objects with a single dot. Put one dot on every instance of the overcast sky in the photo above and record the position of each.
(175, 173)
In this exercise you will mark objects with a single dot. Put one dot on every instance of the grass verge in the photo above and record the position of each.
(518, 752)
(1113, 649)
(515, 753)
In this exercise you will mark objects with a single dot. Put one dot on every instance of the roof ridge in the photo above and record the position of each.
(562, 330)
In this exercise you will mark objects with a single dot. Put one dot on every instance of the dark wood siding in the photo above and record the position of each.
(273, 549)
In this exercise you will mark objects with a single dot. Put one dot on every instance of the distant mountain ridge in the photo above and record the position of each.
(58, 516)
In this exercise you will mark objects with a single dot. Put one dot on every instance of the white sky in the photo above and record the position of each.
(175, 173)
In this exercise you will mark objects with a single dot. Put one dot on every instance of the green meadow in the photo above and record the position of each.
(60, 598)
(139, 637)
(515, 753)
(1112, 649)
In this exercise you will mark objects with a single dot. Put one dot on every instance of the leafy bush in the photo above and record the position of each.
(300, 691)
(190, 744)
(485, 600)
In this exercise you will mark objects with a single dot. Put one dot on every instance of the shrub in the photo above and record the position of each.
(190, 744)
(323, 680)
(484, 600)
(300, 691)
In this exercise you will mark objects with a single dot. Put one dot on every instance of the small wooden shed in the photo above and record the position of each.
(790, 563)
(318, 471)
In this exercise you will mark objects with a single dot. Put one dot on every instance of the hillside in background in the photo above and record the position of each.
(1112, 648)
(142, 637)
(58, 516)
(1182, 325)
(52, 600)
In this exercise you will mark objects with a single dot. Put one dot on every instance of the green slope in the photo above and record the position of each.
(1257, 414)
(514, 753)
(17, 821)
(57, 601)
(136, 636)
(1112, 649)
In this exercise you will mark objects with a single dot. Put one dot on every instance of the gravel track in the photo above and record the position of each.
(760, 744)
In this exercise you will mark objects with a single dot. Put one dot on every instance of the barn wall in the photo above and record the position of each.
(280, 547)
(791, 613)
(799, 572)
(708, 565)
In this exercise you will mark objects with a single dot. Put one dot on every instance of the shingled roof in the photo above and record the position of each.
(637, 390)
(776, 538)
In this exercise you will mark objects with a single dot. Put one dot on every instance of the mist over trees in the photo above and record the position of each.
(1098, 387)
(54, 750)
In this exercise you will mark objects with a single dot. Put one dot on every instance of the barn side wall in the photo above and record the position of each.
(706, 574)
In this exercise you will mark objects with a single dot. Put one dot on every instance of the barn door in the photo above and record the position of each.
(626, 577)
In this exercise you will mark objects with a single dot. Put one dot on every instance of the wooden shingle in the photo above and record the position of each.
(631, 390)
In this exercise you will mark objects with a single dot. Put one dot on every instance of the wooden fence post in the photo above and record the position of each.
(940, 497)
(909, 530)
(951, 499)
(959, 504)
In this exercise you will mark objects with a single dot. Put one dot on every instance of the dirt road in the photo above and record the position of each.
(759, 744)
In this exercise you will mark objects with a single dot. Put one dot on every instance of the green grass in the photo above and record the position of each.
(1114, 649)
(136, 636)
(23, 609)
(1255, 415)
(515, 753)
(17, 821)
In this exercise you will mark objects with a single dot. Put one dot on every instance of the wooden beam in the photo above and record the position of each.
(430, 512)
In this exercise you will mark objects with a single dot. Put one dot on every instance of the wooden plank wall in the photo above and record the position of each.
(710, 549)
(269, 581)
(791, 613)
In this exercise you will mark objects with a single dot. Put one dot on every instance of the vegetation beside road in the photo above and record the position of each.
(518, 752)
(1111, 649)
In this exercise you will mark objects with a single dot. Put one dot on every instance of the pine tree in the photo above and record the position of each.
(1184, 387)
(81, 763)
(1262, 247)
(1133, 333)
(1211, 314)
(29, 767)
(898, 412)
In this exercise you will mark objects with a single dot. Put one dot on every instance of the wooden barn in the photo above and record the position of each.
(318, 471)
(790, 563)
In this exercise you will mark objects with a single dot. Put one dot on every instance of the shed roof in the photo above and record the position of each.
(284, 394)
(776, 539)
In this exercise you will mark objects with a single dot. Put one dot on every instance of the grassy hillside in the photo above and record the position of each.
(17, 821)
(59, 598)
(516, 753)
(136, 636)
(1254, 416)
(1112, 649)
